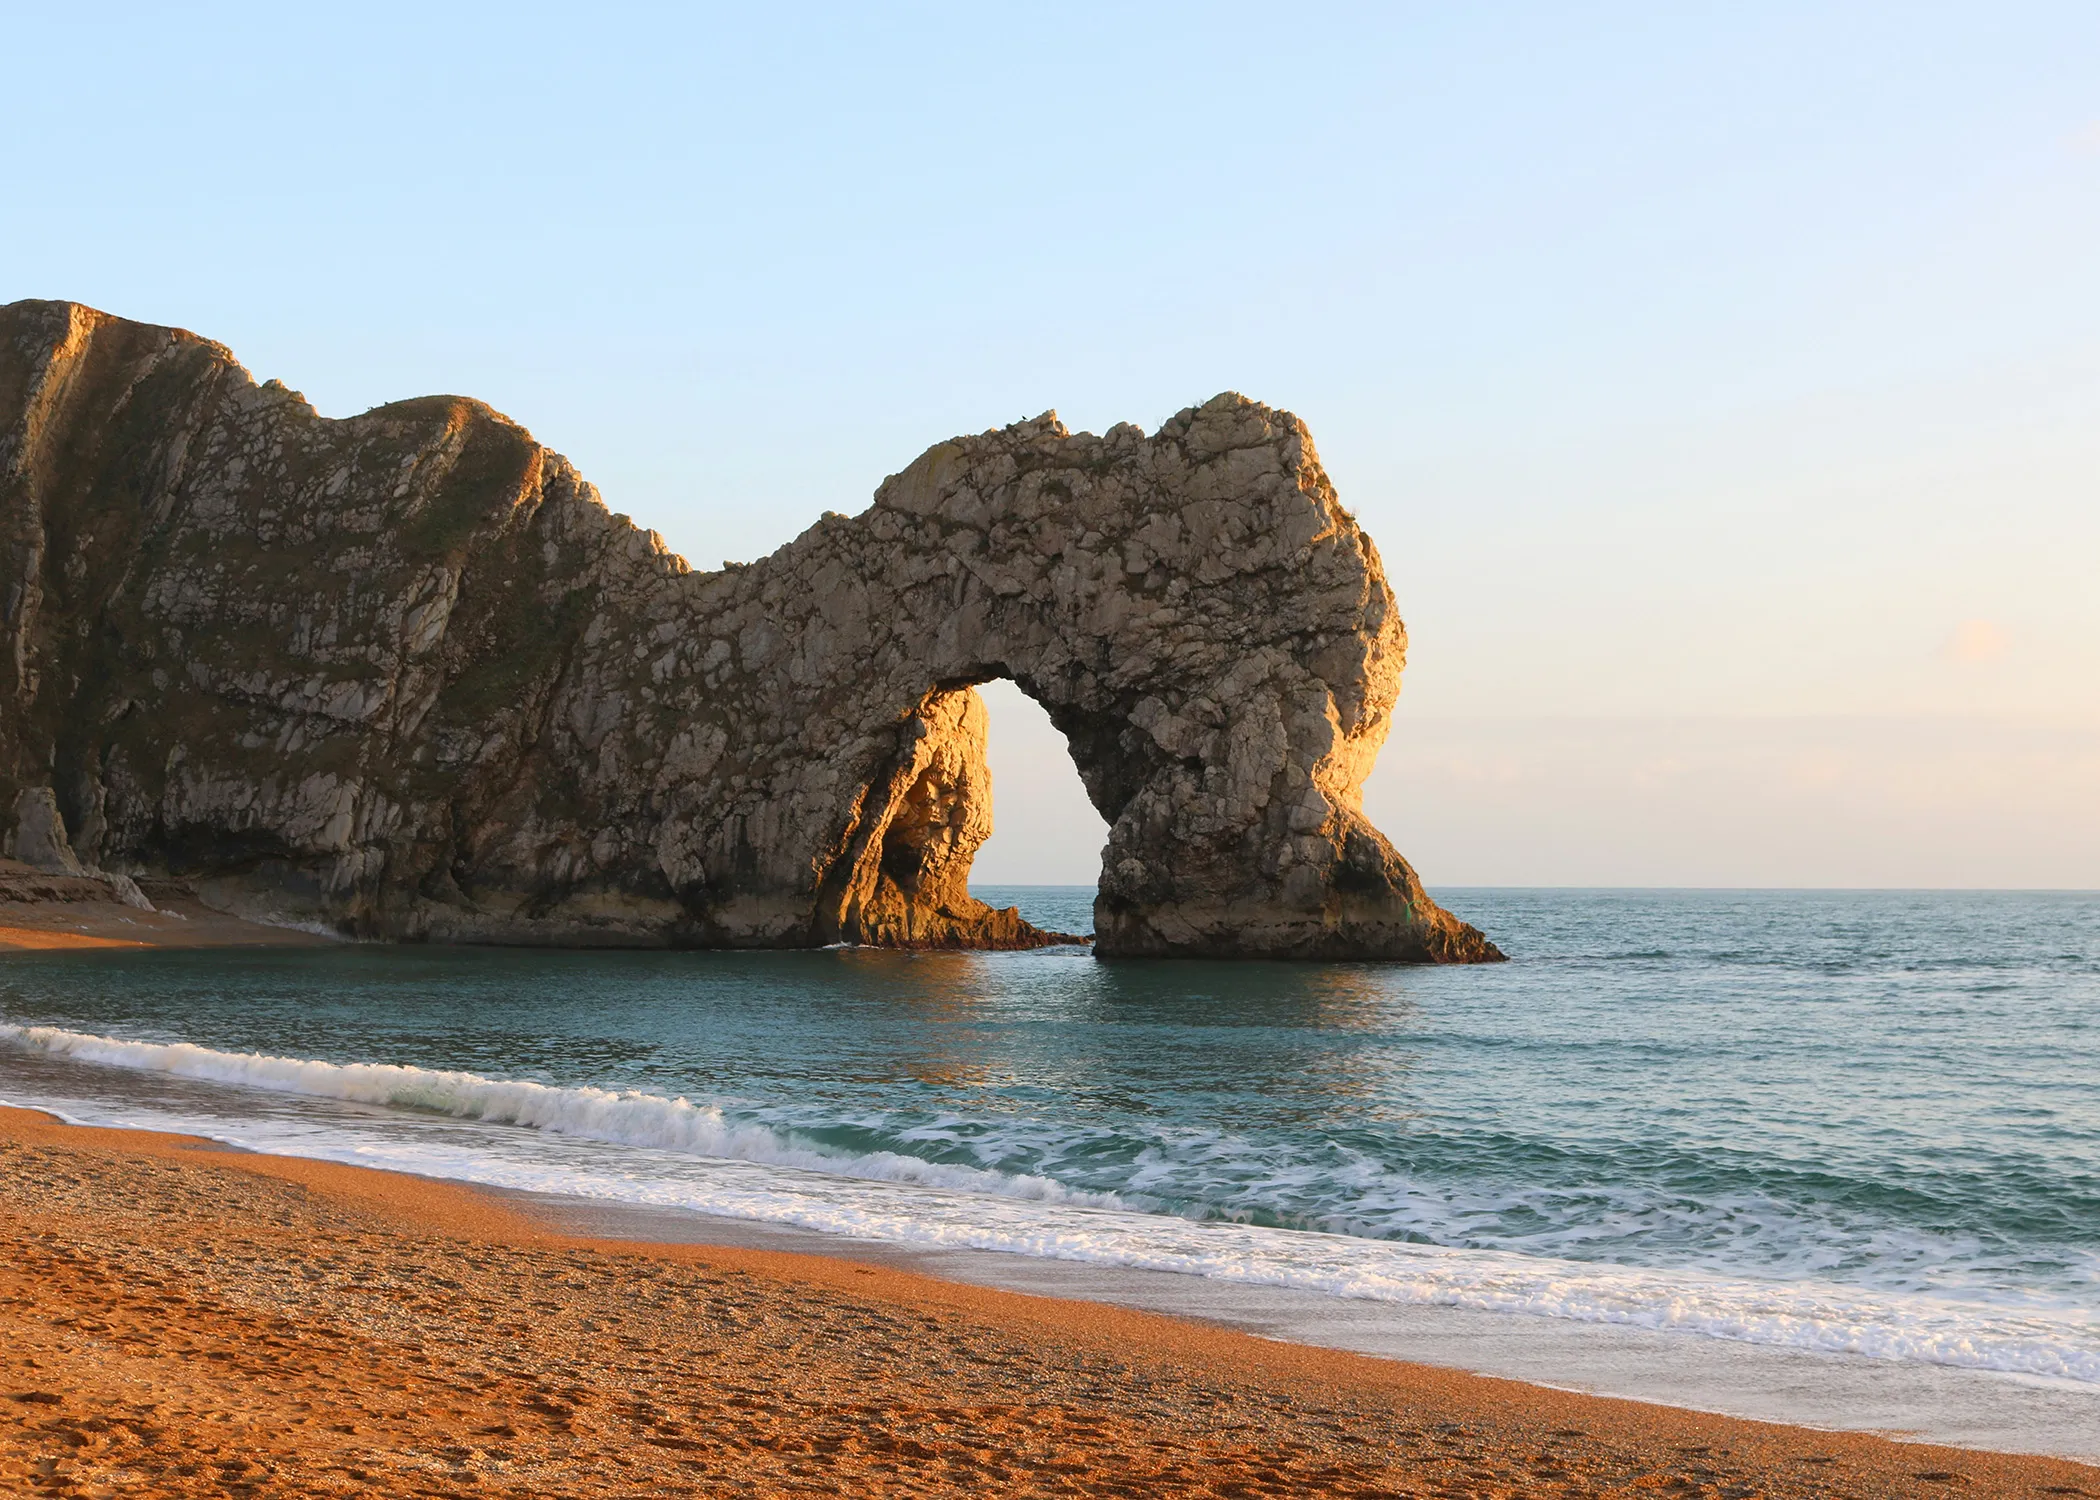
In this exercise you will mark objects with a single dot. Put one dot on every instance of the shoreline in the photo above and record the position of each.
(1912, 1402)
(138, 1263)
(43, 911)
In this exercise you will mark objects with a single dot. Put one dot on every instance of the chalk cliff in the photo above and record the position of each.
(405, 674)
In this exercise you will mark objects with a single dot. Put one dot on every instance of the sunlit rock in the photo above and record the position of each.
(405, 674)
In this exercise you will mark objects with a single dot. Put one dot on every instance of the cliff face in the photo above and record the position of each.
(405, 674)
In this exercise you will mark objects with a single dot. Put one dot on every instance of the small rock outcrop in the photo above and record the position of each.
(37, 842)
(38, 837)
(405, 674)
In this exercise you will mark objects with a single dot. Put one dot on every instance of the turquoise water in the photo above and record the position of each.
(1847, 1121)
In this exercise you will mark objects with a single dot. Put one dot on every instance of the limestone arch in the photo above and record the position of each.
(404, 673)
(1205, 625)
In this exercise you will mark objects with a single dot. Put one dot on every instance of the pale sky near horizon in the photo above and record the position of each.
(1720, 384)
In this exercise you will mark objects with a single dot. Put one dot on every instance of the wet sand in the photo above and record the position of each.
(39, 910)
(179, 1319)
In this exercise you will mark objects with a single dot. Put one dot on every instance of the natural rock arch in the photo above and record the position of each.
(403, 672)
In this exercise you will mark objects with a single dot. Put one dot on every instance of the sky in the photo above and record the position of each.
(1721, 384)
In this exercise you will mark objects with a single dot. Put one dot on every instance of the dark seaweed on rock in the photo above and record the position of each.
(404, 673)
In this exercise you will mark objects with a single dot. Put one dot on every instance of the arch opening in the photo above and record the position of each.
(1044, 853)
(904, 879)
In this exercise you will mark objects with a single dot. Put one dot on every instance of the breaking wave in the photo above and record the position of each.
(625, 1117)
(672, 1152)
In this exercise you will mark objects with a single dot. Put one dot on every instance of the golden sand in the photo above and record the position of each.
(52, 937)
(181, 922)
(178, 1319)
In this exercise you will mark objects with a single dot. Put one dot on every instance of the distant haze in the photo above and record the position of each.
(1720, 384)
(1886, 802)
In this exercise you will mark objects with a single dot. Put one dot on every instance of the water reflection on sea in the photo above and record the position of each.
(1864, 1122)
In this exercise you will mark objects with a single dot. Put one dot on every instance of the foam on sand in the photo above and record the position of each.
(638, 1147)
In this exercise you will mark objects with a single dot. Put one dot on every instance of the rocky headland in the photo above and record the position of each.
(405, 675)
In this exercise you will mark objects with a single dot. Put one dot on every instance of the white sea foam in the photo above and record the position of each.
(626, 1117)
(644, 1148)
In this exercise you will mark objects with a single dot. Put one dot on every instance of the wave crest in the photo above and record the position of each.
(623, 1117)
(953, 1206)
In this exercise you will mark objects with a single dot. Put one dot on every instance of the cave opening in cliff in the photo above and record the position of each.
(1045, 830)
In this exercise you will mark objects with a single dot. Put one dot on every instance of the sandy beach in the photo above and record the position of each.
(44, 911)
(180, 1319)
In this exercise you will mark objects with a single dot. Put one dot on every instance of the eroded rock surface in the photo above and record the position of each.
(404, 673)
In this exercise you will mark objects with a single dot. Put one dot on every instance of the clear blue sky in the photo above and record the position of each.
(1721, 383)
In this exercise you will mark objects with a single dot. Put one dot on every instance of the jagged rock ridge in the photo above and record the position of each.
(404, 673)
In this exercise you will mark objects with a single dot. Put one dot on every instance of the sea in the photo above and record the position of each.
(1826, 1156)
